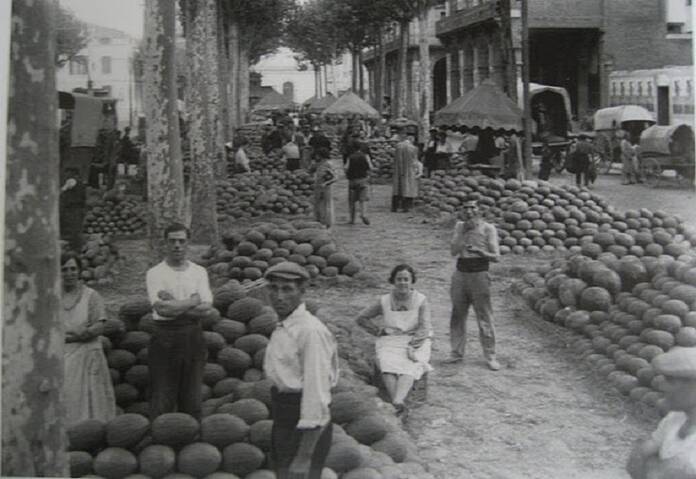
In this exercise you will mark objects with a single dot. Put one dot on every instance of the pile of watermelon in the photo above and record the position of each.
(99, 258)
(630, 297)
(233, 437)
(115, 213)
(254, 194)
(247, 254)
(382, 157)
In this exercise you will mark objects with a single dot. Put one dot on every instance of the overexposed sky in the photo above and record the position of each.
(123, 15)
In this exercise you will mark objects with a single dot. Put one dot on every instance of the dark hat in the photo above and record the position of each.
(679, 362)
(287, 270)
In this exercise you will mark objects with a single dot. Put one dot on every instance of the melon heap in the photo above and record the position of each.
(537, 216)
(100, 260)
(629, 296)
(233, 437)
(115, 215)
(382, 157)
(248, 254)
(253, 194)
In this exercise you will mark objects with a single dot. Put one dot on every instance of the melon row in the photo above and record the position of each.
(627, 309)
(116, 215)
(247, 254)
(100, 259)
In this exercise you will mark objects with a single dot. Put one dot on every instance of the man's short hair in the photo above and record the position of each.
(173, 227)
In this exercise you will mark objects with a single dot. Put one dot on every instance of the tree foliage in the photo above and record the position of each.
(310, 33)
(71, 36)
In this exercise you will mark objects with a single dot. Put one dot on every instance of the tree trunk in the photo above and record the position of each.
(317, 81)
(164, 166)
(243, 84)
(326, 79)
(354, 71)
(361, 79)
(33, 433)
(383, 72)
(507, 51)
(222, 76)
(378, 72)
(425, 104)
(201, 109)
(233, 80)
(215, 94)
(403, 69)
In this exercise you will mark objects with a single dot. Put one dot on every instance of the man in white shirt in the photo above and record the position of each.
(179, 292)
(302, 362)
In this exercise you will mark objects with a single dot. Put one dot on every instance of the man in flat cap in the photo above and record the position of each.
(670, 451)
(302, 362)
(475, 244)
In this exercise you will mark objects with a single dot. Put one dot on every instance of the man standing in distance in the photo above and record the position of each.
(405, 174)
(475, 244)
(179, 292)
(302, 362)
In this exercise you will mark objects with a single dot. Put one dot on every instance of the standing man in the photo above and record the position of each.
(475, 244)
(291, 155)
(319, 140)
(180, 295)
(72, 207)
(302, 362)
(404, 175)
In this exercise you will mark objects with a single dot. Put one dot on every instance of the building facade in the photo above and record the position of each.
(574, 44)
(106, 64)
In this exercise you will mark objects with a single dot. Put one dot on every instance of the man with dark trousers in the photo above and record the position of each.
(302, 363)
(179, 292)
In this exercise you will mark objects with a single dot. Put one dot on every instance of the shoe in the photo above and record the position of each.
(493, 364)
(365, 220)
(453, 359)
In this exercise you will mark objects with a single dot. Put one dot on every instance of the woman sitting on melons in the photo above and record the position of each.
(403, 345)
(670, 452)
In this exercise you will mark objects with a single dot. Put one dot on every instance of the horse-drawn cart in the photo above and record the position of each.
(665, 148)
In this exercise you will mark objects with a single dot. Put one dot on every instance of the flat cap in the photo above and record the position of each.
(679, 362)
(287, 270)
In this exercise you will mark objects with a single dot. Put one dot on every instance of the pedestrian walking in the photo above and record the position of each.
(357, 171)
(301, 360)
(291, 155)
(583, 154)
(324, 178)
(405, 172)
(475, 244)
(628, 154)
(670, 452)
(319, 140)
(546, 164)
(87, 387)
(179, 292)
(404, 342)
(429, 153)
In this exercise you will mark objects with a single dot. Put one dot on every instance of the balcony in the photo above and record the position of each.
(468, 17)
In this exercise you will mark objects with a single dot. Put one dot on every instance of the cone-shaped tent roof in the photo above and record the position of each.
(317, 105)
(486, 106)
(350, 104)
(274, 101)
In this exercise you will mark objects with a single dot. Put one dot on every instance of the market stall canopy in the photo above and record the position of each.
(350, 104)
(274, 101)
(486, 106)
(667, 140)
(536, 88)
(317, 105)
(612, 117)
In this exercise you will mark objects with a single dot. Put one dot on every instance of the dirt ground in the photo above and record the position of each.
(544, 414)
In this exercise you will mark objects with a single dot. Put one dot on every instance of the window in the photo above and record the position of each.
(689, 92)
(677, 89)
(622, 88)
(106, 65)
(640, 88)
(649, 89)
(78, 66)
(613, 88)
(630, 88)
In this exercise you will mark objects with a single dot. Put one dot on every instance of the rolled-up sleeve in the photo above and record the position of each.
(316, 357)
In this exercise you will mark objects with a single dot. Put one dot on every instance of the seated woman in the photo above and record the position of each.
(403, 345)
(87, 384)
(670, 453)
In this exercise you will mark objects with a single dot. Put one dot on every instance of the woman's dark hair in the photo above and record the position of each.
(67, 256)
(402, 267)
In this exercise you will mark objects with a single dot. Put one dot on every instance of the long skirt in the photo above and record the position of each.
(89, 393)
(392, 356)
(285, 437)
(323, 205)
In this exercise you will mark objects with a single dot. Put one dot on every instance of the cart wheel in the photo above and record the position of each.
(652, 171)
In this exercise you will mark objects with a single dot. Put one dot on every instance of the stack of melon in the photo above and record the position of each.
(99, 258)
(382, 156)
(254, 194)
(116, 216)
(629, 309)
(249, 253)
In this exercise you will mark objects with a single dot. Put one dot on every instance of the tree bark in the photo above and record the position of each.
(354, 71)
(201, 109)
(361, 79)
(215, 94)
(425, 103)
(33, 432)
(403, 69)
(317, 81)
(233, 80)
(222, 76)
(164, 166)
(243, 84)
(383, 72)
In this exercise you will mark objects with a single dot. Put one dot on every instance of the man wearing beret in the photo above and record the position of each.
(475, 244)
(302, 362)
(670, 451)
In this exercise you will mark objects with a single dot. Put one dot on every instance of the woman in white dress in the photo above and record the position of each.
(404, 342)
(670, 452)
(89, 393)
